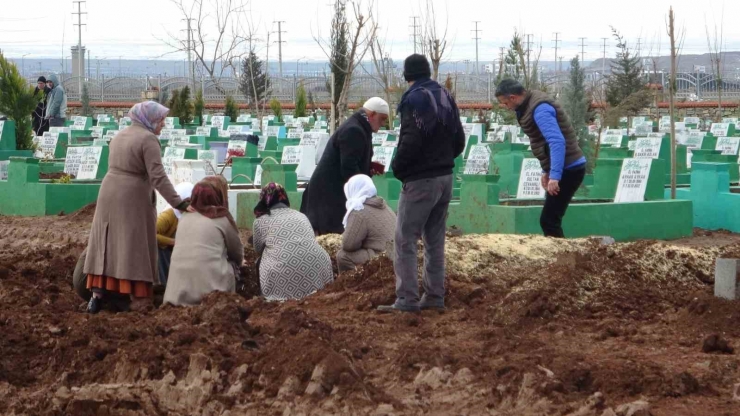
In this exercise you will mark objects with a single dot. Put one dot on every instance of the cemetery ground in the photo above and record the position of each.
(533, 327)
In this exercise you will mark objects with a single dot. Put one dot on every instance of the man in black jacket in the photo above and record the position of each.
(348, 153)
(39, 124)
(431, 138)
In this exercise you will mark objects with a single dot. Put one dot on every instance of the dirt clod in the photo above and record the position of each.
(715, 343)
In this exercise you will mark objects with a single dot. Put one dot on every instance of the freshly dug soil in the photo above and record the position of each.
(55, 175)
(533, 326)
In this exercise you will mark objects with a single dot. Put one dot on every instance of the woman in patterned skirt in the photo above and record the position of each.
(292, 264)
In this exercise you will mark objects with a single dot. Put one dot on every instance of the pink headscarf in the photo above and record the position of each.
(149, 114)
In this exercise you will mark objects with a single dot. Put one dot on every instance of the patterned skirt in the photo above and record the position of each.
(125, 287)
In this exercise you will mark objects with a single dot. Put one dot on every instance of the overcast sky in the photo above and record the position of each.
(132, 28)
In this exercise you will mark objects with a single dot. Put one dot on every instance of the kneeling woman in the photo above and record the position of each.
(208, 250)
(292, 264)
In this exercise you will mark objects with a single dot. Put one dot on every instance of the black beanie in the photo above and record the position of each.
(416, 67)
(41, 79)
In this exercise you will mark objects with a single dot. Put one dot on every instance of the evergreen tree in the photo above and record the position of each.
(174, 104)
(277, 109)
(85, 100)
(626, 77)
(231, 109)
(17, 102)
(199, 105)
(576, 104)
(301, 101)
(339, 48)
(186, 107)
(254, 82)
(512, 58)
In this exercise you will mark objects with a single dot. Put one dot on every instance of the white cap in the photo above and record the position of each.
(378, 105)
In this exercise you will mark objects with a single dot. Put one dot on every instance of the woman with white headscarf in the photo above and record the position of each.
(167, 223)
(122, 249)
(369, 224)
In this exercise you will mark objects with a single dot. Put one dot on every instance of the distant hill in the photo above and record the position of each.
(686, 63)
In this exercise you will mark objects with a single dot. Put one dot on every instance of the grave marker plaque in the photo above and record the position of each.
(4, 169)
(728, 145)
(209, 157)
(169, 122)
(237, 145)
(478, 161)
(170, 155)
(100, 142)
(73, 160)
(384, 155)
(295, 134)
(530, 180)
(720, 129)
(631, 145)
(291, 155)
(272, 131)
(217, 121)
(643, 129)
(633, 180)
(203, 131)
(89, 162)
(258, 176)
(244, 118)
(692, 120)
(2, 124)
(97, 131)
(647, 148)
(731, 120)
(613, 140)
(125, 121)
(48, 145)
(103, 118)
(239, 129)
(379, 138)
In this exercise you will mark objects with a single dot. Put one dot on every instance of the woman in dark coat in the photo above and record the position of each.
(348, 153)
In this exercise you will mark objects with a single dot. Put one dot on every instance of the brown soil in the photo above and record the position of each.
(533, 327)
(55, 175)
(540, 202)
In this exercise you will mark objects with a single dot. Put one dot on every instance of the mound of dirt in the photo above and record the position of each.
(532, 326)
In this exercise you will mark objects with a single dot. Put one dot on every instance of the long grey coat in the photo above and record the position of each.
(123, 239)
(201, 260)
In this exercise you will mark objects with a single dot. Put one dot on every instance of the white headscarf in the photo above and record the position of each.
(358, 189)
(184, 190)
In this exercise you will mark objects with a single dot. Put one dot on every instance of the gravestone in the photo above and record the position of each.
(237, 129)
(4, 170)
(90, 162)
(613, 140)
(170, 155)
(171, 122)
(303, 156)
(384, 156)
(530, 180)
(209, 157)
(648, 148)
(244, 118)
(205, 131)
(258, 176)
(97, 131)
(219, 122)
(274, 131)
(73, 160)
(720, 129)
(633, 180)
(728, 145)
(643, 129)
(100, 142)
(694, 140)
(104, 118)
(731, 120)
(294, 134)
(48, 145)
(125, 122)
(692, 121)
(479, 160)
(379, 138)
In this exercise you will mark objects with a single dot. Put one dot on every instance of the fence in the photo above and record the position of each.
(467, 87)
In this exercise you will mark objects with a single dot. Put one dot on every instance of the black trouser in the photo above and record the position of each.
(555, 205)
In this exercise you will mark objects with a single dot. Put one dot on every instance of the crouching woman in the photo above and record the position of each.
(208, 250)
(292, 264)
(369, 224)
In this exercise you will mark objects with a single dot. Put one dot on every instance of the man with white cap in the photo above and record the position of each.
(348, 153)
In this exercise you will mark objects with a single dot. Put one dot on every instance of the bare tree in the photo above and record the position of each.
(362, 32)
(715, 42)
(218, 37)
(675, 50)
(433, 37)
(383, 66)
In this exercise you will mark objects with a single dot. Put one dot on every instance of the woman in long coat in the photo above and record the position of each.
(122, 250)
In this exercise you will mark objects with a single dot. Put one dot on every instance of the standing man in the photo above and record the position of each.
(56, 104)
(39, 124)
(431, 138)
(555, 144)
(348, 153)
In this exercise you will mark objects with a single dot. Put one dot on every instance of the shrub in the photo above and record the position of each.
(17, 102)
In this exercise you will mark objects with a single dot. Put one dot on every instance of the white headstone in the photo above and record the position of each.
(647, 148)
(97, 131)
(235, 129)
(89, 162)
(258, 175)
(237, 145)
(209, 159)
(2, 124)
(204, 131)
(60, 130)
(691, 120)
(125, 121)
(169, 122)
(633, 180)
(379, 138)
(720, 129)
(170, 155)
(728, 145)
(613, 140)
(100, 142)
(478, 161)
(244, 118)
(48, 144)
(631, 145)
(103, 118)
(217, 121)
(293, 134)
(73, 160)
(731, 120)
(4, 169)
(80, 121)
(530, 180)
(384, 155)
(643, 129)
(272, 131)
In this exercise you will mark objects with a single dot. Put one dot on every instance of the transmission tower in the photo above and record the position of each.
(583, 49)
(476, 38)
(556, 51)
(280, 46)
(80, 54)
(415, 31)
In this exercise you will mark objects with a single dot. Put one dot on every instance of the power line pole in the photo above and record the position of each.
(191, 72)
(603, 67)
(80, 55)
(639, 43)
(415, 28)
(88, 64)
(476, 38)
(280, 46)
(556, 50)
(583, 50)
(527, 70)
(501, 62)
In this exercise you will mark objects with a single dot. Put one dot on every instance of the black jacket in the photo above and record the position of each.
(39, 124)
(426, 155)
(348, 153)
